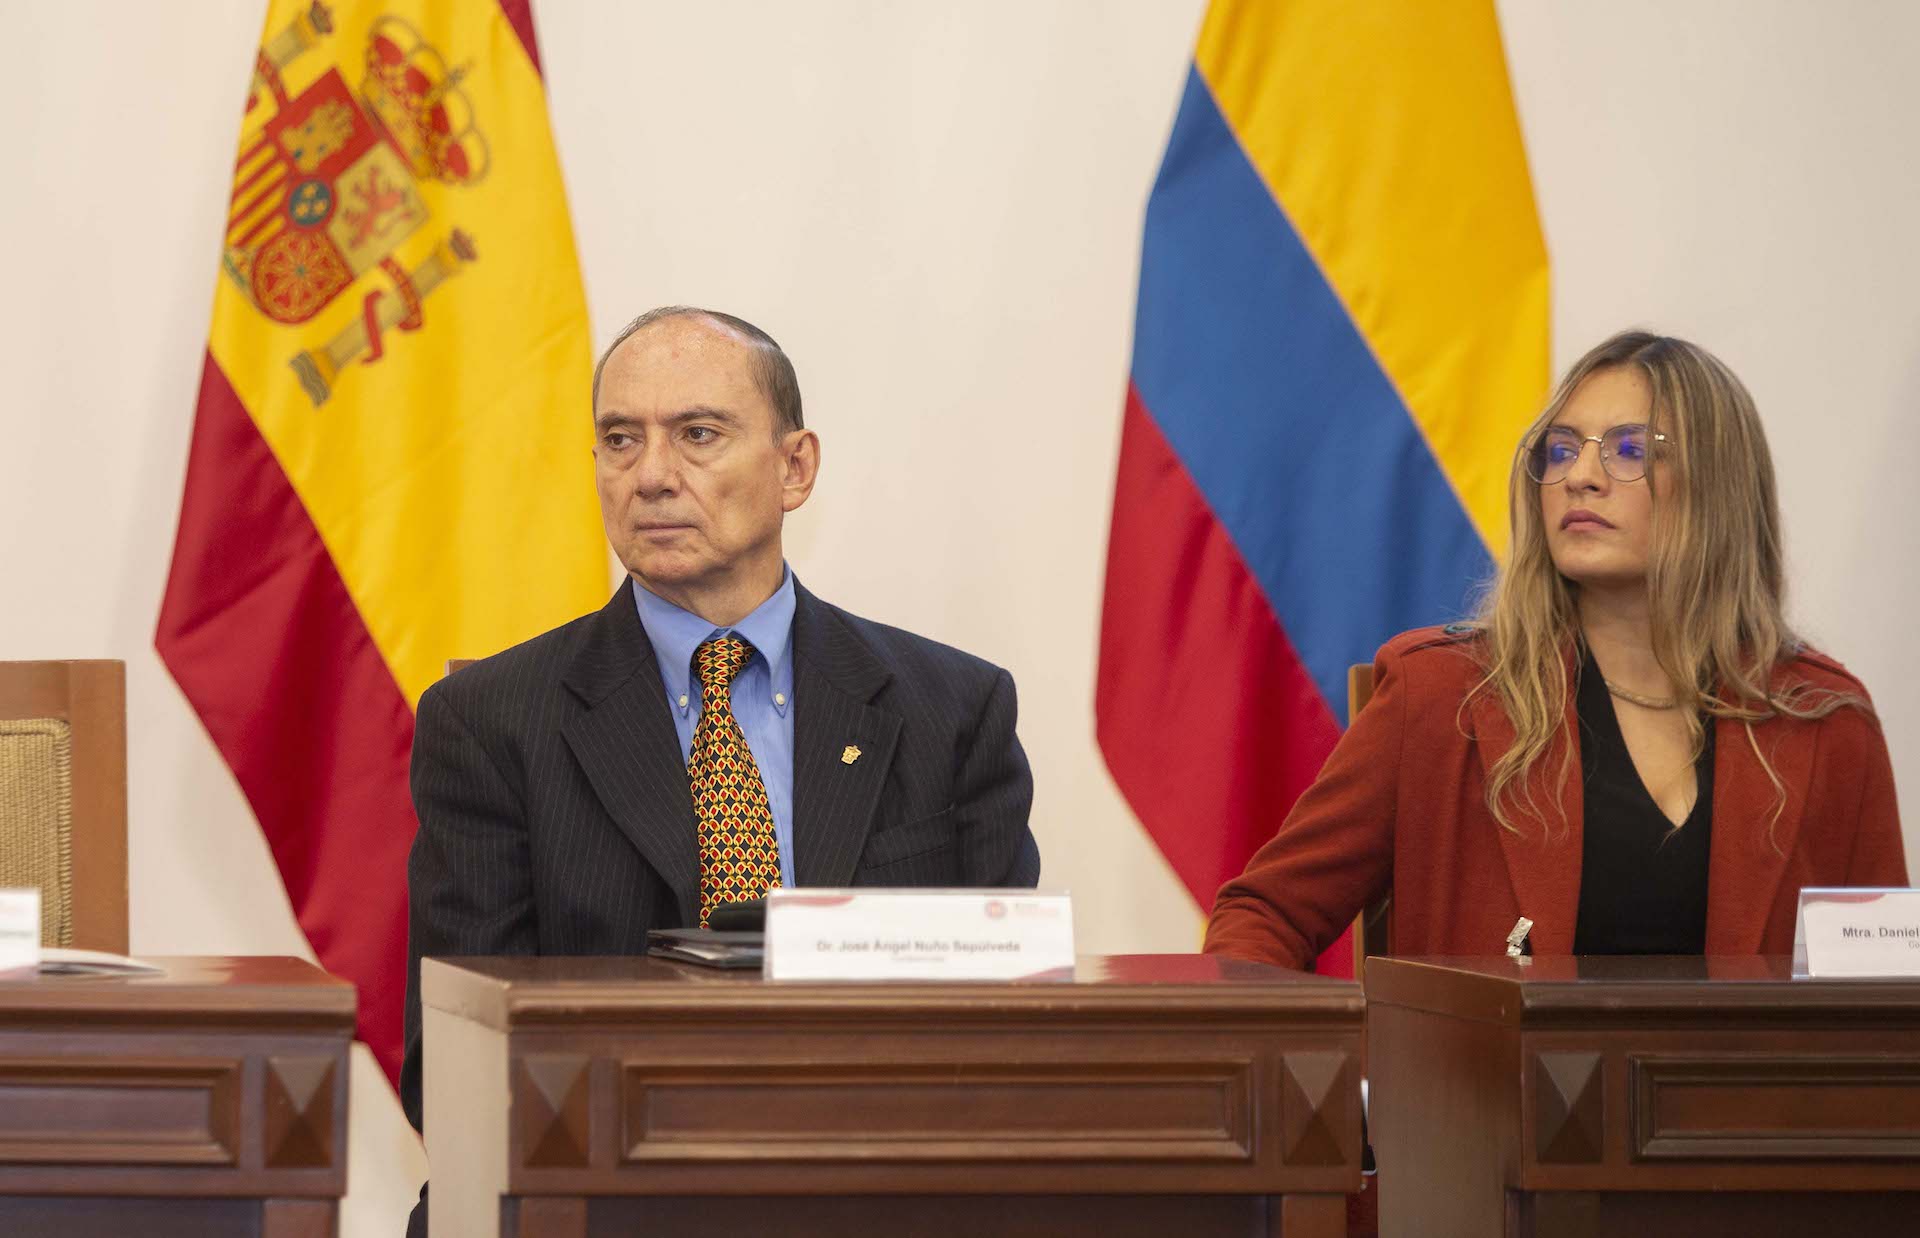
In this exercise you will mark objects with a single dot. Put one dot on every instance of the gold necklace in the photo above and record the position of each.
(1634, 698)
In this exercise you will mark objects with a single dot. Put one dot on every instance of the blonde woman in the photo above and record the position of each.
(1630, 747)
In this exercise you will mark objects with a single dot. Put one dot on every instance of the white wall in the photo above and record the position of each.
(936, 208)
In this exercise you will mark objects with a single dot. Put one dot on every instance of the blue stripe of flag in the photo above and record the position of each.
(1251, 367)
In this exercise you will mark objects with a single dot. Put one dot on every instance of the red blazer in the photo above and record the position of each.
(1401, 805)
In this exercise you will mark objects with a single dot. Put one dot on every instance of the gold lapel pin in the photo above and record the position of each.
(849, 754)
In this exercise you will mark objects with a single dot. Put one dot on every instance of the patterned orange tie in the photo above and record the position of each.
(739, 855)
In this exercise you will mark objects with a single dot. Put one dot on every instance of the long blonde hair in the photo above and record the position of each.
(1715, 578)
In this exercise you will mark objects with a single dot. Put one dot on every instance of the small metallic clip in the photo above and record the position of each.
(1517, 947)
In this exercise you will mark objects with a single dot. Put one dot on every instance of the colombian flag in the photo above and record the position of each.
(390, 461)
(1341, 333)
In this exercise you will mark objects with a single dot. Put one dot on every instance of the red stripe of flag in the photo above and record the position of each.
(520, 17)
(1207, 719)
(259, 631)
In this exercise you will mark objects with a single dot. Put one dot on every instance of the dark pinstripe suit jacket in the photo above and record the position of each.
(555, 815)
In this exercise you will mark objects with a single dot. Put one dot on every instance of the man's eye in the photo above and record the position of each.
(701, 434)
(617, 440)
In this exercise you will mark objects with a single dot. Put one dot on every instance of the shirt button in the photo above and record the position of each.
(683, 700)
(779, 698)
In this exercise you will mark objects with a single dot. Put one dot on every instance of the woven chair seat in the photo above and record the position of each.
(36, 818)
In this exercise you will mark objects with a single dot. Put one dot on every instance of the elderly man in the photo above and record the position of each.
(715, 730)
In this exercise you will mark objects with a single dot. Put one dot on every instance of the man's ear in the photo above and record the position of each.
(800, 467)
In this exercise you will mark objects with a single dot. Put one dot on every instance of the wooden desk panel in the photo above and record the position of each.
(209, 1100)
(1622, 1095)
(1139, 1093)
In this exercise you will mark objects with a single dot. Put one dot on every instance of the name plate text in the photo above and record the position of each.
(1857, 933)
(820, 934)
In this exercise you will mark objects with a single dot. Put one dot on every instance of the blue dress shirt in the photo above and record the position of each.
(762, 691)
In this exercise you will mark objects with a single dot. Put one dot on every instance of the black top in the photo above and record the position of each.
(1643, 883)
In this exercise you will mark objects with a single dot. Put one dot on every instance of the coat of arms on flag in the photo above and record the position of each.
(325, 186)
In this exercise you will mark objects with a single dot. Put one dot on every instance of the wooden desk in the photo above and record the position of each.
(211, 1100)
(1140, 1096)
(1643, 1097)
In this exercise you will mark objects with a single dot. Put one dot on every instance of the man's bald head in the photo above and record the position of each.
(772, 371)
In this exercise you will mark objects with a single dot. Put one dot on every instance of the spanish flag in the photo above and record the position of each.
(390, 463)
(1341, 333)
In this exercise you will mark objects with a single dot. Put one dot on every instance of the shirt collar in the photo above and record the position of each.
(677, 633)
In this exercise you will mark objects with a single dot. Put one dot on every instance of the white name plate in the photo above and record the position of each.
(820, 934)
(1857, 933)
(19, 931)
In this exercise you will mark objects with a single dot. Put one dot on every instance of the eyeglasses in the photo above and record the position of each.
(1623, 452)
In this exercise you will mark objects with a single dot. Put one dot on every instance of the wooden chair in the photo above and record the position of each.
(63, 797)
(1372, 928)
